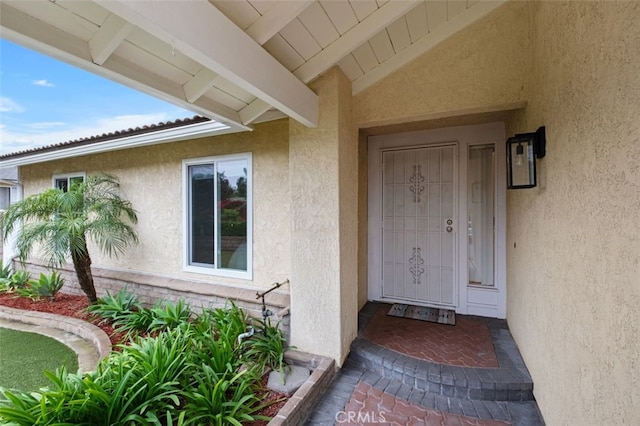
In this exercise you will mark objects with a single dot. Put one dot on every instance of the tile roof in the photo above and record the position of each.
(119, 134)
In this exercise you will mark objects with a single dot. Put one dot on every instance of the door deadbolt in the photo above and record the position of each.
(449, 222)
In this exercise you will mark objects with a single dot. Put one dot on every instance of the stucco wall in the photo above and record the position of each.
(151, 178)
(479, 69)
(470, 78)
(574, 243)
(573, 258)
(324, 187)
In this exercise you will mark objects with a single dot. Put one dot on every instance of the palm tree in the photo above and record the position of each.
(60, 223)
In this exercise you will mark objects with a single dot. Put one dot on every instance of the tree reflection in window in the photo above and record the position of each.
(232, 214)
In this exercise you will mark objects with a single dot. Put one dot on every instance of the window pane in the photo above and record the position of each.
(232, 214)
(62, 184)
(75, 180)
(5, 198)
(481, 215)
(202, 207)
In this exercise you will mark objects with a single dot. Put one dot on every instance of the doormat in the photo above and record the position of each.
(440, 316)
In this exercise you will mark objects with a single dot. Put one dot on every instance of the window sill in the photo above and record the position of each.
(228, 273)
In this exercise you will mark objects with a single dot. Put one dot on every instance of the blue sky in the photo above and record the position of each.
(44, 101)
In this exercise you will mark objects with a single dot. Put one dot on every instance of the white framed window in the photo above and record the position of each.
(64, 181)
(217, 206)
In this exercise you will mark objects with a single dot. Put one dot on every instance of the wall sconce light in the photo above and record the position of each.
(522, 151)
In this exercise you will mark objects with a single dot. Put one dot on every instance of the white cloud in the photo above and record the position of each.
(125, 122)
(42, 83)
(9, 105)
(32, 136)
(47, 124)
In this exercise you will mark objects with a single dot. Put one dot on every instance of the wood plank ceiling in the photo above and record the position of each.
(237, 61)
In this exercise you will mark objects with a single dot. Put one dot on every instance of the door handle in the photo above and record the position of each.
(449, 229)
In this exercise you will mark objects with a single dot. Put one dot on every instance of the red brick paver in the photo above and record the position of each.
(467, 344)
(371, 406)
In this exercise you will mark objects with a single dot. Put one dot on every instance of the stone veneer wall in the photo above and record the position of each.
(151, 289)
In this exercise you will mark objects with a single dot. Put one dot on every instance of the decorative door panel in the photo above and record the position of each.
(418, 206)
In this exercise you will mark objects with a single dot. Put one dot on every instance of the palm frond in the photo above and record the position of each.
(111, 236)
(33, 208)
(60, 222)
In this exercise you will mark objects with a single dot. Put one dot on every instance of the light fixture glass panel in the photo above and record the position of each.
(521, 163)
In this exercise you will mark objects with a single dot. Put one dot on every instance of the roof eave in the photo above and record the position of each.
(192, 131)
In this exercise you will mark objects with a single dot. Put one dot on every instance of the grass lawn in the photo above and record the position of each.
(24, 356)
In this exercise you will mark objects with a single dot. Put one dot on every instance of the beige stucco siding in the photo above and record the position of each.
(574, 243)
(573, 259)
(324, 203)
(479, 69)
(467, 79)
(151, 179)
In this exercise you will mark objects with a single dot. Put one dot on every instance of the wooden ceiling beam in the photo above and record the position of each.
(353, 38)
(107, 39)
(275, 19)
(37, 35)
(199, 84)
(207, 36)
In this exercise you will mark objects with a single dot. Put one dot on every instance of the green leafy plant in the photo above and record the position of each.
(134, 322)
(231, 321)
(20, 279)
(169, 315)
(5, 278)
(188, 374)
(267, 347)
(222, 398)
(116, 306)
(46, 286)
(5, 271)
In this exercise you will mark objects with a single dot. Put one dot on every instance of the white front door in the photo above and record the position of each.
(419, 225)
(420, 183)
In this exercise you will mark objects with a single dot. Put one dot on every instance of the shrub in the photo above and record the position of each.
(5, 271)
(5, 278)
(134, 322)
(178, 377)
(116, 306)
(46, 286)
(169, 315)
(267, 347)
(222, 398)
(20, 279)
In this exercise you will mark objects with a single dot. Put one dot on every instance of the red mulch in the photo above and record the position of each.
(271, 410)
(63, 304)
(75, 306)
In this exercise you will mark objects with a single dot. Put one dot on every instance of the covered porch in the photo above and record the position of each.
(568, 249)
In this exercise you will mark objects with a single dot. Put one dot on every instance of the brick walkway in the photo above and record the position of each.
(374, 404)
(467, 344)
(378, 385)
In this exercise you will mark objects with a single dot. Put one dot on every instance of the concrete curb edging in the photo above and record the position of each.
(78, 327)
(303, 400)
